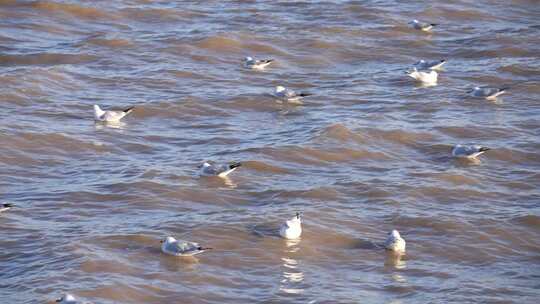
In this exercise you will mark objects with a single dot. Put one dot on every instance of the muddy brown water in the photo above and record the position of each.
(367, 153)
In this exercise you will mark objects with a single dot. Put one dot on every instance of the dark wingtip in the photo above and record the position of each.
(434, 24)
(504, 89)
(7, 205)
(205, 248)
(443, 60)
(304, 94)
(129, 109)
(297, 215)
(269, 60)
(235, 165)
(484, 149)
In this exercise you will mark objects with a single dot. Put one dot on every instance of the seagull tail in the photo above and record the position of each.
(7, 205)
(304, 94)
(205, 248)
(484, 149)
(503, 89)
(443, 60)
(268, 60)
(128, 110)
(433, 24)
(235, 165)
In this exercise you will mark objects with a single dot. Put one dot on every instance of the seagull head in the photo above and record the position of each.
(248, 58)
(206, 165)
(168, 240)
(296, 219)
(395, 234)
(97, 108)
(413, 22)
(280, 89)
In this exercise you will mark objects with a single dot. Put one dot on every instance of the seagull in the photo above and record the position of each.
(424, 77)
(429, 65)
(69, 299)
(289, 95)
(423, 26)
(5, 207)
(394, 242)
(110, 116)
(462, 151)
(176, 247)
(211, 169)
(251, 63)
(487, 92)
(291, 229)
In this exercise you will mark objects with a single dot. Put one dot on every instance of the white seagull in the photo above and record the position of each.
(110, 116)
(176, 247)
(473, 151)
(394, 242)
(424, 77)
(69, 299)
(5, 207)
(251, 63)
(291, 229)
(423, 26)
(289, 95)
(211, 169)
(487, 92)
(429, 65)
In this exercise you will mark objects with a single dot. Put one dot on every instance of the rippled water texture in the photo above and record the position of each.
(367, 153)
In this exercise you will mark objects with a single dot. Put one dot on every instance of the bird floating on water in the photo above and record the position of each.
(221, 170)
(69, 299)
(5, 207)
(488, 93)
(395, 242)
(472, 151)
(251, 63)
(291, 229)
(110, 116)
(429, 65)
(422, 26)
(424, 76)
(289, 95)
(175, 247)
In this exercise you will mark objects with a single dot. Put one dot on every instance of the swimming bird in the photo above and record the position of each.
(251, 63)
(472, 151)
(211, 169)
(429, 65)
(175, 247)
(291, 229)
(424, 77)
(110, 116)
(289, 95)
(69, 299)
(395, 242)
(423, 26)
(5, 207)
(488, 93)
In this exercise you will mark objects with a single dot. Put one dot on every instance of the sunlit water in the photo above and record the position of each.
(367, 153)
